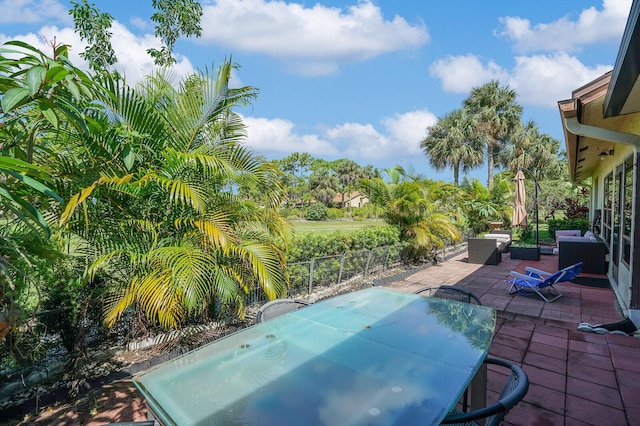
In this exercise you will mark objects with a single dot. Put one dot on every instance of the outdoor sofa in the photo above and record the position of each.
(588, 248)
(488, 250)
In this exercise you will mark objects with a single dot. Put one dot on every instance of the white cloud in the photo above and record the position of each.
(408, 129)
(33, 11)
(460, 73)
(591, 26)
(140, 23)
(543, 80)
(131, 50)
(540, 80)
(277, 138)
(314, 38)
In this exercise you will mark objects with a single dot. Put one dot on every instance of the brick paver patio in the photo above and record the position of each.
(575, 378)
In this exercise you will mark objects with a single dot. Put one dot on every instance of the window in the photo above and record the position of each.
(626, 207)
(607, 214)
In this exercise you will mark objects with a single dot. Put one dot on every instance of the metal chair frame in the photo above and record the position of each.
(512, 393)
(277, 307)
(451, 292)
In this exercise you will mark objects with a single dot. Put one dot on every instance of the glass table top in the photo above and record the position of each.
(375, 356)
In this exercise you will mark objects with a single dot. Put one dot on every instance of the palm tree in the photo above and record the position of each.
(160, 201)
(451, 142)
(538, 152)
(519, 152)
(497, 113)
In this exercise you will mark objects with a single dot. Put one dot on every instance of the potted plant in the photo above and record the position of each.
(524, 251)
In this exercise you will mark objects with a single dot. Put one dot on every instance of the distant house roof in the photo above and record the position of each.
(348, 196)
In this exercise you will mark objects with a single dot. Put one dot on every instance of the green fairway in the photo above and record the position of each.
(326, 226)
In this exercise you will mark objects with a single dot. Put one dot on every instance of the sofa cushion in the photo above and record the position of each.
(567, 232)
(574, 238)
(499, 237)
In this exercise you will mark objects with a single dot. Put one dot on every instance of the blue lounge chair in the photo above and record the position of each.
(535, 280)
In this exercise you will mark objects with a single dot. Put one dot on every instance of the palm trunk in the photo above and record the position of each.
(490, 165)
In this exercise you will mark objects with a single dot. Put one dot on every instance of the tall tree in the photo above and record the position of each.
(323, 182)
(173, 18)
(452, 143)
(497, 113)
(93, 27)
(348, 172)
(538, 152)
(296, 168)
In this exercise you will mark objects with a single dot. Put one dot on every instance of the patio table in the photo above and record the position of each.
(375, 356)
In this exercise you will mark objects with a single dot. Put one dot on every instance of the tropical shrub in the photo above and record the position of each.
(359, 213)
(171, 233)
(291, 213)
(417, 207)
(316, 211)
(334, 213)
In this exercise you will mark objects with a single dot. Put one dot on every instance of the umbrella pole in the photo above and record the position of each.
(535, 181)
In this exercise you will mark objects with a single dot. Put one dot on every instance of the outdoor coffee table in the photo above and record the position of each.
(374, 356)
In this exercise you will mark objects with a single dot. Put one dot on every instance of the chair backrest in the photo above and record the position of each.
(450, 292)
(566, 274)
(570, 272)
(278, 307)
(514, 390)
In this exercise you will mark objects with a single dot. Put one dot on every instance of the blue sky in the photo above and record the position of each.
(363, 79)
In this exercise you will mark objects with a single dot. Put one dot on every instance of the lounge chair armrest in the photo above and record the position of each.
(526, 277)
(538, 271)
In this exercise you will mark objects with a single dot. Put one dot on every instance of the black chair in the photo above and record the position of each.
(513, 392)
(278, 307)
(451, 293)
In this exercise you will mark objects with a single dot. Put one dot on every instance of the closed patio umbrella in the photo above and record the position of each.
(519, 218)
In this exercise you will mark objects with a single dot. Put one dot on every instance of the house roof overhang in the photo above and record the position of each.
(594, 116)
(623, 96)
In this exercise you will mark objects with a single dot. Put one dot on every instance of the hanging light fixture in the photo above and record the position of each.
(605, 153)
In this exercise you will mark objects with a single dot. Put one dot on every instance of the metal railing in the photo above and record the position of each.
(322, 272)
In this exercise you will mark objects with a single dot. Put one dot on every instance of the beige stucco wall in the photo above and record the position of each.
(608, 165)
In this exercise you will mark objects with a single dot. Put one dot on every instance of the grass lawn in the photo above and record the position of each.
(544, 234)
(327, 226)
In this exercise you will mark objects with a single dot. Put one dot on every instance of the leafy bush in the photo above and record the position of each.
(577, 208)
(291, 213)
(334, 213)
(359, 214)
(556, 224)
(316, 211)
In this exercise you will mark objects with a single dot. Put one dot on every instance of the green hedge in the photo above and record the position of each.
(309, 245)
(557, 224)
